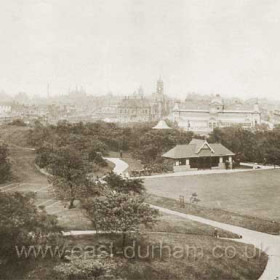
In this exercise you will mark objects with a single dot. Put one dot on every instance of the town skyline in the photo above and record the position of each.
(48, 93)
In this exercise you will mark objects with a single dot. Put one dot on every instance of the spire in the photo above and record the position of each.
(160, 86)
(256, 106)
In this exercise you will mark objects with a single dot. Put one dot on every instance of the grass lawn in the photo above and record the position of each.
(15, 135)
(196, 260)
(219, 215)
(255, 193)
(173, 225)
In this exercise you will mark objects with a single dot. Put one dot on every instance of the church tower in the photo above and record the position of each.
(160, 86)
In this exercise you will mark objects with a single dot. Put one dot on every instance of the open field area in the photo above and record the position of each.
(215, 214)
(15, 135)
(171, 224)
(255, 194)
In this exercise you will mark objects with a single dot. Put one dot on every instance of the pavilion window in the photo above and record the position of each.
(225, 159)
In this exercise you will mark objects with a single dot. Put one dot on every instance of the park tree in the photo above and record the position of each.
(124, 185)
(5, 167)
(238, 140)
(150, 146)
(272, 156)
(39, 135)
(22, 223)
(70, 176)
(17, 122)
(45, 155)
(77, 189)
(119, 212)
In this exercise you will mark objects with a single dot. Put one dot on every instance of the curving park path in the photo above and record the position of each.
(120, 165)
(270, 244)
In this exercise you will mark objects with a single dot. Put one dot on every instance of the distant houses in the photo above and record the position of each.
(5, 109)
(199, 154)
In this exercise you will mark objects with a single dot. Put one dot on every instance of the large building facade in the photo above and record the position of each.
(140, 108)
(215, 115)
(134, 108)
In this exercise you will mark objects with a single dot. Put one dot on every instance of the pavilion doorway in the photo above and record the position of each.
(204, 163)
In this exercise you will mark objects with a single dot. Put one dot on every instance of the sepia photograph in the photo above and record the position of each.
(139, 140)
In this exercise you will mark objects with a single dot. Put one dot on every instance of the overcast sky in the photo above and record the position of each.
(211, 46)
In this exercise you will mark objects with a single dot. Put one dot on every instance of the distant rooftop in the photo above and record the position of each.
(161, 125)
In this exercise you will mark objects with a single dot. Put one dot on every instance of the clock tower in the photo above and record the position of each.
(160, 86)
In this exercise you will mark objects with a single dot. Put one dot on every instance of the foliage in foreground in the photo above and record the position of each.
(88, 269)
(21, 223)
(119, 212)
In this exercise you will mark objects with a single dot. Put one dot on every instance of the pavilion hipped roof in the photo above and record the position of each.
(198, 148)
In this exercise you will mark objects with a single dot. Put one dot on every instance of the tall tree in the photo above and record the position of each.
(118, 212)
(70, 175)
(238, 140)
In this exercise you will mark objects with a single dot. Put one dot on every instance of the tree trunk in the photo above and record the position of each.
(71, 205)
(124, 239)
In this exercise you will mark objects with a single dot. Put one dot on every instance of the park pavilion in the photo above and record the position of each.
(199, 154)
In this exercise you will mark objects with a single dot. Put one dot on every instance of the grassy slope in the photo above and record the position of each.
(219, 215)
(15, 135)
(30, 179)
(196, 264)
(203, 266)
(255, 193)
(22, 160)
(173, 224)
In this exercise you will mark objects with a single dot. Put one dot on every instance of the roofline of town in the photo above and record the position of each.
(223, 111)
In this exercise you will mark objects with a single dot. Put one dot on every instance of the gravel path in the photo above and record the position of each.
(270, 244)
(120, 165)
